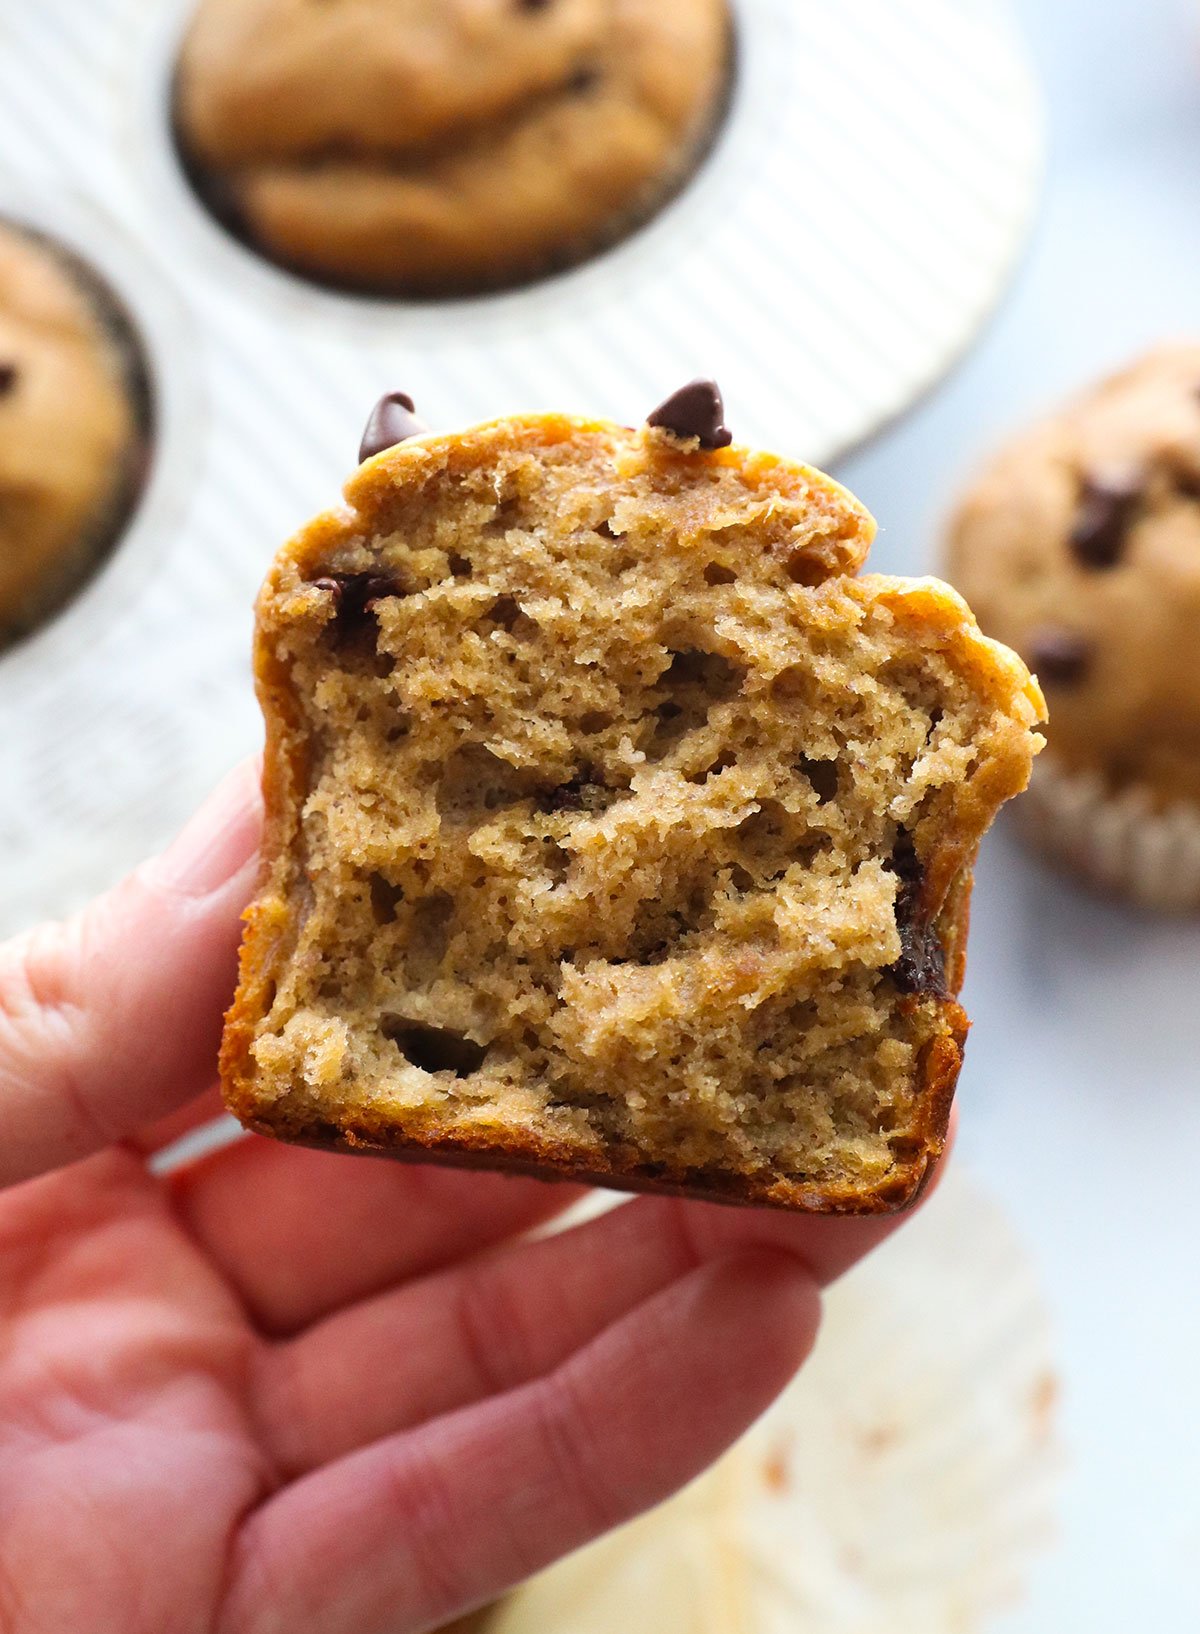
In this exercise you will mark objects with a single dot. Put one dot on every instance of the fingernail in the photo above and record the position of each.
(219, 840)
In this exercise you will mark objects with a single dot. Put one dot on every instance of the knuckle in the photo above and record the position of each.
(36, 971)
(572, 1453)
(431, 1527)
(46, 1027)
(490, 1333)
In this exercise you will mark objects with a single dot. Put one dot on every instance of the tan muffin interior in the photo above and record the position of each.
(431, 147)
(614, 824)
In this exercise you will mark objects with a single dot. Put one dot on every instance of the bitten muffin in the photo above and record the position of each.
(70, 439)
(1079, 545)
(615, 828)
(444, 146)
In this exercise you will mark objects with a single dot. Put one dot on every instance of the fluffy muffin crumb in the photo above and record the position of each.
(615, 828)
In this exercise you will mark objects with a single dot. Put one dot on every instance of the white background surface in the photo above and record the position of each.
(1081, 1097)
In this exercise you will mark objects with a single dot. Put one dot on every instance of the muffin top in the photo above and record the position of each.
(1079, 545)
(67, 430)
(429, 146)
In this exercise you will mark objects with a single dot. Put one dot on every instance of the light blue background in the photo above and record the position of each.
(1081, 1099)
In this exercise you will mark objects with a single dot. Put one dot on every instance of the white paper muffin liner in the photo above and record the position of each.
(1125, 843)
(902, 1483)
(853, 226)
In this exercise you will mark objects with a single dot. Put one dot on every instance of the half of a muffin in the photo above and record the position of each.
(615, 828)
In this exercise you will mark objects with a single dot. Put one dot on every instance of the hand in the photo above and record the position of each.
(282, 1390)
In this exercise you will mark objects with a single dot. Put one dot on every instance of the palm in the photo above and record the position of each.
(129, 1451)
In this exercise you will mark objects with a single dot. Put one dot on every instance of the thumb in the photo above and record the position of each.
(113, 1018)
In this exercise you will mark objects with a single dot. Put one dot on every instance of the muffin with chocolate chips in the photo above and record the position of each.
(1079, 545)
(430, 147)
(616, 826)
(70, 429)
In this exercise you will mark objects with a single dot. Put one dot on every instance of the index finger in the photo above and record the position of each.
(113, 1018)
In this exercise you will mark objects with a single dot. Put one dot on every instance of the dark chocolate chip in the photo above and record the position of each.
(695, 410)
(8, 378)
(1059, 657)
(533, 5)
(355, 594)
(583, 80)
(392, 421)
(921, 968)
(580, 794)
(1107, 507)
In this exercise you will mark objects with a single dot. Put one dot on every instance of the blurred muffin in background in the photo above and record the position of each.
(431, 147)
(1079, 545)
(72, 424)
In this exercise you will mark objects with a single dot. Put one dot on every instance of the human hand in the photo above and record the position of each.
(284, 1390)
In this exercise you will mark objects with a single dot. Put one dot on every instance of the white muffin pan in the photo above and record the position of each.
(851, 229)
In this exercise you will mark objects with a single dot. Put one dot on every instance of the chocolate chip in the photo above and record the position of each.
(921, 967)
(533, 5)
(907, 865)
(583, 80)
(1107, 507)
(9, 374)
(1059, 657)
(355, 594)
(579, 794)
(392, 421)
(695, 410)
(583, 792)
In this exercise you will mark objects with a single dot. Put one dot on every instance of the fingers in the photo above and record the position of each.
(299, 1234)
(423, 1526)
(112, 1020)
(503, 1319)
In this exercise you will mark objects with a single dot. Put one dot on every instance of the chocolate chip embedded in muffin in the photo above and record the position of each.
(446, 146)
(1059, 657)
(921, 967)
(355, 595)
(1107, 508)
(608, 848)
(70, 429)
